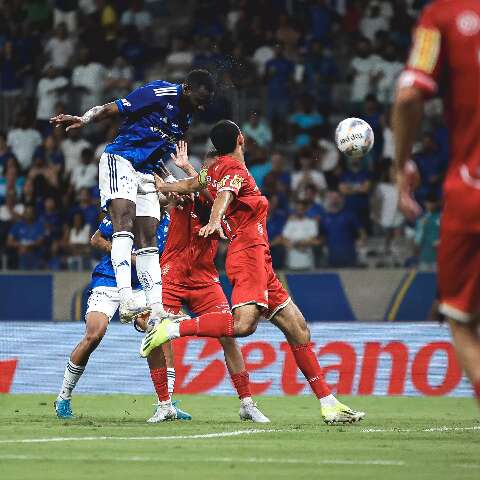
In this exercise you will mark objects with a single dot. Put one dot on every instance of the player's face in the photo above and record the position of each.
(200, 98)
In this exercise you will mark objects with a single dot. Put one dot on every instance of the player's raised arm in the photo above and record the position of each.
(219, 207)
(187, 185)
(419, 80)
(180, 159)
(99, 242)
(95, 114)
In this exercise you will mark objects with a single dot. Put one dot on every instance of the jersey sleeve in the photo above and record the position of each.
(146, 97)
(106, 228)
(230, 177)
(425, 62)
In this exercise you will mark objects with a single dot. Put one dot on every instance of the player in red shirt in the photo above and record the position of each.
(190, 278)
(445, 58)
(240, 210)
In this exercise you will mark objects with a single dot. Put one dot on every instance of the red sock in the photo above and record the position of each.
(308, 363)
(476, 389)
(160, 382)
(241, 382)
(208, 325)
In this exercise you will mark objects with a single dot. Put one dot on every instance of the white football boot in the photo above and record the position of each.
(250, 411)
(165, 411)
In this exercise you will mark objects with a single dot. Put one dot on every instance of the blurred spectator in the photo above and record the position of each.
(26, 239)
(86, 206)
(23, 140)
(60, 48)
(88, 78)
(279, 75)
(288, 35)
(85, 174)
(51, 152)
(258, 130)
(77, 243)
(49, 89)
(373, 21)
(242, 70)
(431, 166)
(305, 122)
(278, 180)
(262, 55)
(5, 152)
(363, 67)
(65, 11)
(300, 235)
(72, 148)
(137, 15)
(320, 72)
(119, 80)
(10, 211)
(388, 70)
(44, 177)
(179, 60)
(341, 229)
(427, 233)
(276, 220)
(109, 137)
(311, 198)
(372, 114)
(11, 178)
(355, 185)
(11, 78)
(52, 220)
(386, 213)
(321, 16)
(305, 175)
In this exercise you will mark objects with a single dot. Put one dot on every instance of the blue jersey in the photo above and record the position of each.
(103, 274)
(153, 125)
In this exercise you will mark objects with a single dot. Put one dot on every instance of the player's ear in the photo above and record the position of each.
(240, 139)
(187, 89)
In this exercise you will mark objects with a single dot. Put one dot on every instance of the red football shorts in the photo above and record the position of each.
(459, 274)
(251, 274)
(200, 300)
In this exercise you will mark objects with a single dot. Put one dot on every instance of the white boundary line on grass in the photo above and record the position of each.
(165, 437)
(413, 430)
(290, 461)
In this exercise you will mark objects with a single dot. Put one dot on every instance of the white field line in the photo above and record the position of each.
(426, 430)
(170, 437)
(291, 461)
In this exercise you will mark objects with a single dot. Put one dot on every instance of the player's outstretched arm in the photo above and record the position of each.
(406, 119)
(187, 185)
(219, 207)
(95, 114)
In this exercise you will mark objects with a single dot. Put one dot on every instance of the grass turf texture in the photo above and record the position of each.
(302, 446)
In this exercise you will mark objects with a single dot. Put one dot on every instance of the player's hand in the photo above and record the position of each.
(70, 121)
(212, 229)
(407, 182)
(180, 158)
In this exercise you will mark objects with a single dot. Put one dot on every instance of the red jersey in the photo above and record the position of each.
(188, 259)
(445, 57)
(245, 222)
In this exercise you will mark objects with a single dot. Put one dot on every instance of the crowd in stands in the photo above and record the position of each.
(287, 72)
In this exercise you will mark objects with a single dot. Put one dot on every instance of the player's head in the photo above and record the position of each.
(199, 88)
(210, 157)
(226, 137)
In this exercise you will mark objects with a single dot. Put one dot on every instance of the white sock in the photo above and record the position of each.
(171, 380)
(246, 401)
(70, 378)
(166, 403)
(328, 401)
(150, 276)
(121, 255)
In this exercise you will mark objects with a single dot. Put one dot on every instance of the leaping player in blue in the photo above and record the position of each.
(103, 302)
(156, 117)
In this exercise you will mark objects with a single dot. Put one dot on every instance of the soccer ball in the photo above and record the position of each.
(354, 137)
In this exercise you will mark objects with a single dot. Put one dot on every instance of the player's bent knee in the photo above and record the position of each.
(245, 328)
(93, 339)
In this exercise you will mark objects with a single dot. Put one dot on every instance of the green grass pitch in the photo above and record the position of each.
(402, 438)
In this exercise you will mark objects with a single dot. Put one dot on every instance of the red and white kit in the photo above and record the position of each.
(445, 58)
(248, 264)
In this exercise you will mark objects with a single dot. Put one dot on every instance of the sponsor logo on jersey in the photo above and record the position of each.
(468, 23)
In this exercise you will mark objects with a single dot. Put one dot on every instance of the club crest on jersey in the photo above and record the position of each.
(468, 23)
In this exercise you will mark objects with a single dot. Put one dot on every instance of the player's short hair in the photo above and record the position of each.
(224, 136)
(212, 153)
(200, 78)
